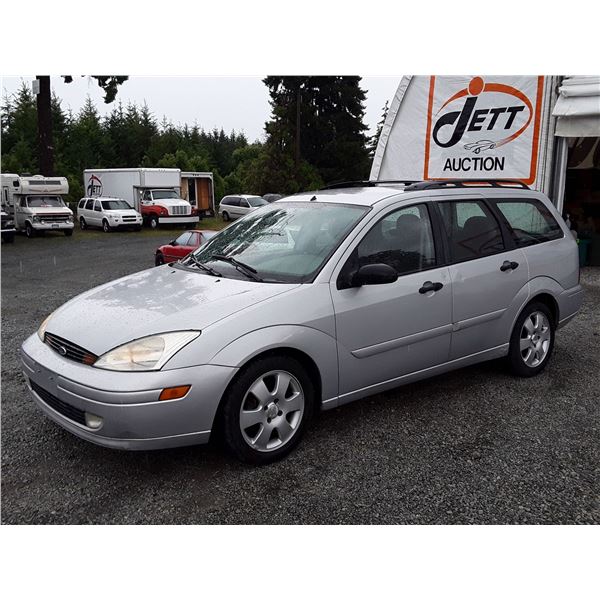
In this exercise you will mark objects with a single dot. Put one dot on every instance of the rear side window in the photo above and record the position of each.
(472, 230)
(89, 204)
(530, 221)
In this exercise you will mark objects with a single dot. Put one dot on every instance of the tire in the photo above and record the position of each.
(271, 442)
(82, 223)
(29, 230)
(159, 259)
(225, 216)
(532, 340)
(105, 226)
(8, 238)
(68, 232)
(153, 221)
(137, 228)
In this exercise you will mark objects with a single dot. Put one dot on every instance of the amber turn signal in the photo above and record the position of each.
(173, 393)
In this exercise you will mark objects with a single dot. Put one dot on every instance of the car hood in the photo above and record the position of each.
(50, 210)
(154, 301)
(123, 212)
(171, 202)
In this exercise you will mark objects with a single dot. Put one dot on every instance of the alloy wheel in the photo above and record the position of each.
(272, 410)
(536, 335)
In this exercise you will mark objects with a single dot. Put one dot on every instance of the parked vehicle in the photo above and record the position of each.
(107, 213)
(155, 193)
(179, 248)
(36, 203)
(8, 228)
(272, 197)
(233, 207)
(304, 305)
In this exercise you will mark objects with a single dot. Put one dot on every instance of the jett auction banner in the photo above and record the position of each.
(468, 127)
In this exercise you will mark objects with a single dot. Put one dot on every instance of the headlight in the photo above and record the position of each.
(35, 219)
(71, 218)
(9, 224)
(42, 329)
(146, 354)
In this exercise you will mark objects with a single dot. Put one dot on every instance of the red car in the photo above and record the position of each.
(187, 242)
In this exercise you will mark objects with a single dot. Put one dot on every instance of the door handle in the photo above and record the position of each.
(507, 265)
(430, 286)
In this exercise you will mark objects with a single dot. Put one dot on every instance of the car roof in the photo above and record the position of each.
(103, 198)
(371, 195)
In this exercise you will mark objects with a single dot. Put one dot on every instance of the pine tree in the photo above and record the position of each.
(374, 140)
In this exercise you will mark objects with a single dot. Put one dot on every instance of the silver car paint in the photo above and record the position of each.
(360, 339)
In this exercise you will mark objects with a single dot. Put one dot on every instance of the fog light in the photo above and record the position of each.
(93, 421)
(173, 393)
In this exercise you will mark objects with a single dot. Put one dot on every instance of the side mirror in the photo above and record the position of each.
(173, 243)
(376, 274)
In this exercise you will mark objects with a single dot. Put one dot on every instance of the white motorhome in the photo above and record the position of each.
(36, 203)
(541, 130)
(155, 193)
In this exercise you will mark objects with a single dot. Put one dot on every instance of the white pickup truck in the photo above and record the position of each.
(36, 203)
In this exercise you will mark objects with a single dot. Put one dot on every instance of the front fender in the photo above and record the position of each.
(319, 346)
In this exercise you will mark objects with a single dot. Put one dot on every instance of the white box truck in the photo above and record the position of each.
(36, 204)
(155, 193)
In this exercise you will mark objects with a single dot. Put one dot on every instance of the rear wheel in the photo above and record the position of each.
(82, 223)
(159, 259)
(29, 230)
(105, 226)
(266, 409)
(532, 340)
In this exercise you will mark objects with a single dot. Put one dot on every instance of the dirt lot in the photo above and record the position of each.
(473, 446)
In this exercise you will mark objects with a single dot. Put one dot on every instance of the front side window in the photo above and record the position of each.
(530, 221)
(98, 206)
(44, 201)
(403, 240)
(283, 242)
(471, 228)
(243, 203)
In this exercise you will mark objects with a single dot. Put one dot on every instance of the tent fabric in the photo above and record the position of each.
(578, 107)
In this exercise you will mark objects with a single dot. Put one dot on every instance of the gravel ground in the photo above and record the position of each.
(473, 446)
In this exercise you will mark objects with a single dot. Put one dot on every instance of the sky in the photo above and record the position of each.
(240, 103)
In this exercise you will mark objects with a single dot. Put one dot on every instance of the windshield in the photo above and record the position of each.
(163, 194)
(44, 201)
(284, 242)
(115, 205)
(258, 201)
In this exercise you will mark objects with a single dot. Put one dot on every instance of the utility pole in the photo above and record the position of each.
(44, 114)
(297, 149)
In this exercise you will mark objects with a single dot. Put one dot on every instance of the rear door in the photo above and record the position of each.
(244, 207)
(488, 273)
(97, 214)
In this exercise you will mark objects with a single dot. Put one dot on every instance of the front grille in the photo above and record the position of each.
(66, 410)
(128, 219)
(180, 210)
(69, 350)
(54, 218)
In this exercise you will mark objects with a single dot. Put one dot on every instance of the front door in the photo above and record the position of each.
(389, 330)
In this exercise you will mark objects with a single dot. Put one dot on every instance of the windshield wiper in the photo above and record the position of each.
(202, 266)
(239, 265)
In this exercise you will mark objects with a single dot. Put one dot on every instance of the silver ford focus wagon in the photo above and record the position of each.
(304, 305)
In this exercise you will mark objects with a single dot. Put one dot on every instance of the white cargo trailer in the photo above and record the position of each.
(155, 193)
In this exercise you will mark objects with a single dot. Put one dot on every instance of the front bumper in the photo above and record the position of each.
(53, 226)
(190, 219)
(132, 416)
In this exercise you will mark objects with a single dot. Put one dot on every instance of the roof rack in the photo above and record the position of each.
(368, 183)
(466, 183)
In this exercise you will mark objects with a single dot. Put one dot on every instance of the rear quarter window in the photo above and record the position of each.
(529, 221)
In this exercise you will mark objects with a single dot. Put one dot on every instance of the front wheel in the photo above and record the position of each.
(159, 259)
(266, 410)
(68, 232)
(532, 340)
(9, 238)
(153, 221)
(29, 230)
